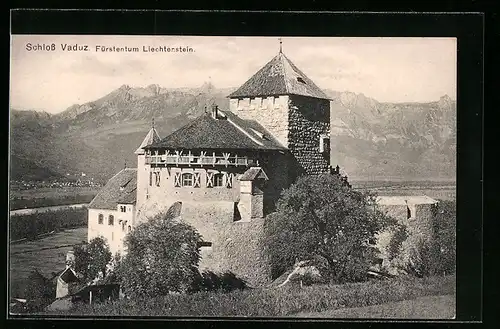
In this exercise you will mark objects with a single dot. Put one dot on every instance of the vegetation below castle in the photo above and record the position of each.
(285, 301)
(32, 225)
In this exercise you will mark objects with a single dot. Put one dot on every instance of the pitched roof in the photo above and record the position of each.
(405, 200)
(120, 189)
(279, 77)
(228, 131)
(151, 137)
(69, 275)
(253, 173)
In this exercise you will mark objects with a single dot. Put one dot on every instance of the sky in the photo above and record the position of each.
(386, 69)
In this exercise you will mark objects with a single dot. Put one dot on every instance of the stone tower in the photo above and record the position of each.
(143, 171)
(292, 108)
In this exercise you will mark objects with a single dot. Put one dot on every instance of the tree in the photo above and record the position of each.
(39, 291)
(323, 218)
(162, 257)
(92, 258)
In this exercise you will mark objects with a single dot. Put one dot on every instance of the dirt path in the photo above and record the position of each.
(428, 307)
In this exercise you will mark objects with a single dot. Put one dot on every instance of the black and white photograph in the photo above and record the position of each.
(232, 176)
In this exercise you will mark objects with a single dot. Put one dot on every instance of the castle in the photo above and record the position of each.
(224, 171)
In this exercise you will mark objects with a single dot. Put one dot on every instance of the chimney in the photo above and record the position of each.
(70, 259)
(215, 111)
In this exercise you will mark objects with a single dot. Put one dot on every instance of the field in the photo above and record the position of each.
(43, 197)
(428, 307)
(443, 190)
(47, 255)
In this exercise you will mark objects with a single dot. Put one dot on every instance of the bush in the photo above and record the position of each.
(321, 217)
(228, 281)
(92, 258)
(32, 225)
(436, 256)
(39, 291)
(162, 257)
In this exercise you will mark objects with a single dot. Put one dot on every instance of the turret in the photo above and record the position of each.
(142, 168)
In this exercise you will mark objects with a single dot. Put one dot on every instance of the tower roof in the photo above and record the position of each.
(151, 137)
(279, 77)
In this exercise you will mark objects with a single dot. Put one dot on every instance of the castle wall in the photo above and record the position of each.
(419, 226)
(236, 245)
(142, 179)
(114, 234)
(271, 112)
(309, 118)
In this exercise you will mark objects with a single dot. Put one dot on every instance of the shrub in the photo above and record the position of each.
(321, 217)
(39, 291)
(436, 256)
(162, 257)
(226, 282)
(92, 258)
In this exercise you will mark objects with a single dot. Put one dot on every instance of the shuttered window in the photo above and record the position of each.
(177, 179)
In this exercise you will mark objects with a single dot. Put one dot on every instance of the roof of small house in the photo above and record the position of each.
(120, 189)
(68, 275)
(253, 173)
(227, 131)
(279, 77)
(151, 137)
(405, 200)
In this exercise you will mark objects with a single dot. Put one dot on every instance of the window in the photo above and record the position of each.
(177, 179)
(205, 244)
(157, 178)
(129, 228)
(408, 212)
(123, 208)
(229, 180)
(124, 225)
(111, 220)
(150, 178)
(219, 180)
(324, 144)
(299, 79)
(187, 179)
(197, 179)
(101, 219)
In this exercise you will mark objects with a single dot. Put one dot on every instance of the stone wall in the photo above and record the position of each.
(419, 228)
(235, 245)
(309, 118)
(271, 112)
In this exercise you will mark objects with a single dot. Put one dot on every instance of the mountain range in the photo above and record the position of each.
(371, 140)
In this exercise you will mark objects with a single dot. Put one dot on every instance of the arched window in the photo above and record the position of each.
(187, 179)
(218, 179)
(111, 220)
(129, 228)
(101, 219)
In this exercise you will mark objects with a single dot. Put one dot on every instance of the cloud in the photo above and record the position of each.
(91, 65)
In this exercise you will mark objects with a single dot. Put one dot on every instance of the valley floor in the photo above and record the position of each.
(46, 255)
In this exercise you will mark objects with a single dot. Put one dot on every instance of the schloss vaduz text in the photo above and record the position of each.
(52, 47)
